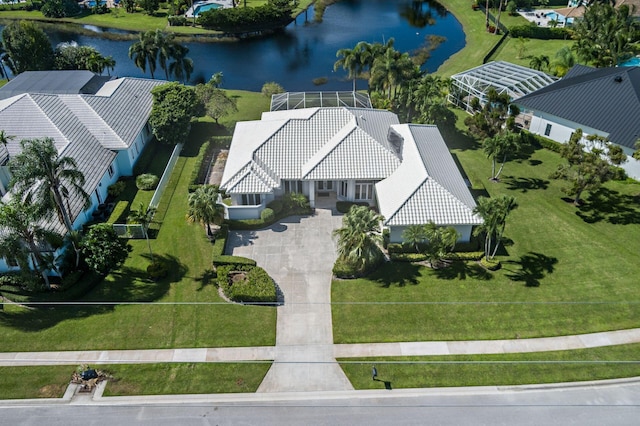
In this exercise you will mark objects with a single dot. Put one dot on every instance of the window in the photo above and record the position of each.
(111, 171)
(251, 199)
(364, 190)
(292, 186)
(547, 131)
(344, 188)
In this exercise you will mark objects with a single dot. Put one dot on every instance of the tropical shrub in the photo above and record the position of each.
(276, 206)
(157, 270)
(408, 257)
(267, 214)
(116, 189)
(246, 284)
(271, 88)
(147, 181)
(295, 202)
(490, 264)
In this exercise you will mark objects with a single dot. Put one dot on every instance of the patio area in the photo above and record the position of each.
(202, 6)
(549, 17)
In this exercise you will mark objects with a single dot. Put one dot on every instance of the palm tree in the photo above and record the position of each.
(414, 235)
(165, 45)
(204, 207)
(144, 52)
(538, 62)
(24, 237)
(40, 175)
(494, 213)
(360, 236)
(563, 62)
(441, 241)
(500, 146)
(350, 61)
(144, 217)
(181, 67)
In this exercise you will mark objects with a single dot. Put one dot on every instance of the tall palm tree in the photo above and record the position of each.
(563, 62)
(40, 175)
(360, 236)
(441, 240)
(539, 62)
(144, 52)
(350, 61)
(204, 207)
(23, 237)
(144, 217)
(165, 44)
(414, 235)
(499, 147)
(181, 67)
(494, 213)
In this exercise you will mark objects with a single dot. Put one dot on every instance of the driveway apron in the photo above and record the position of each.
(298, 252)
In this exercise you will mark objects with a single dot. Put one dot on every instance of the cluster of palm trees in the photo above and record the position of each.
(160, 49)
(42, 184)
(396, 80)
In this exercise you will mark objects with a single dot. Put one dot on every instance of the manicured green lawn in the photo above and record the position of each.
(495, 370)
(580, 264)
(136, 379)
(510, 50)
(166, 319)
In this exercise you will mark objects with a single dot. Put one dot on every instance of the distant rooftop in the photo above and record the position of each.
(298, 100)
(54, 82)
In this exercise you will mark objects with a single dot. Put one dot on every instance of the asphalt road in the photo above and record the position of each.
(590, 405)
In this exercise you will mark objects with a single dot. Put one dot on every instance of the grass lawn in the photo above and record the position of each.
(136, 22)
(569, 270)
(510, 50)
(495, 370)
(165, 319)
(136, 379)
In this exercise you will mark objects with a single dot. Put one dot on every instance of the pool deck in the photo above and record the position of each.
(224, 3)
(540, 17)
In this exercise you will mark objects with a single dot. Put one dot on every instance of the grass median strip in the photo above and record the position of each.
(495, 370)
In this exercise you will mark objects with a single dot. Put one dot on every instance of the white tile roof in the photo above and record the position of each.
(427, 186)
(312, 143)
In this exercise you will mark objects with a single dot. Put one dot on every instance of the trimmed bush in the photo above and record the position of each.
(224, 260)
(246, 284)
(197, 167)
(408, 257)
(472, 255)
(344, 206)
(347, 270)
(276, 206)
(267, 215)
(157, 270)
(177, 21)
(116, 189)
(147, 182)
(491, 265)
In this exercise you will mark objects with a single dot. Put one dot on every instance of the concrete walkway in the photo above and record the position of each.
(299, 254)
(361, 350)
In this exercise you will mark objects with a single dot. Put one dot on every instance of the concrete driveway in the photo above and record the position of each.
(299, 252)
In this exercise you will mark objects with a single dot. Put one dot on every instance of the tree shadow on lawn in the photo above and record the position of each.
(461, 140)
(125, 285)
(611, 206)
(460, 270)
(396, 273)
(524, 184)
(533, 268)
(207, 278)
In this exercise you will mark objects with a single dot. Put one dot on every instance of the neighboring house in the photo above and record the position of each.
(347, 154)
(101, 122)
(600, 101)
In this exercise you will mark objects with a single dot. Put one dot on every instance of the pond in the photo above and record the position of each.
(306, 50)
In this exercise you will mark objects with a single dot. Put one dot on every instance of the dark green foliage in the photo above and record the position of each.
(232, 260)
(114, 190)
(27, 46)
(472, 255)
(72, 57)
(408, 257)
(346, 269)
(147, 181)
(490, 264)
(267, 215)
(149, 6)
(60, 8)
(157, 270)
(177, 21)
(173, 107)
(199, 169)
(345, 206)
(276, 206)
(295, 202)
(542, 33)
(103, 250)
(246, 284)
(536, 140)
(242, 19)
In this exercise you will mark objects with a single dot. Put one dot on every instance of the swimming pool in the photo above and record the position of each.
(205, 7)
(92, 3)
(633, 62)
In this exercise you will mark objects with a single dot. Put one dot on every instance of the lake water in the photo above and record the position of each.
(305, 51)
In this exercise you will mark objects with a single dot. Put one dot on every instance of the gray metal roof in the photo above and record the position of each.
(606, 99)
(53, 82)
(427, 187)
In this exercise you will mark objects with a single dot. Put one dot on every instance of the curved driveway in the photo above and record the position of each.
(298, 252)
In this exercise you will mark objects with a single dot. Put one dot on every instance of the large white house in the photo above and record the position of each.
(600, 101)
(101, 122)
(348, 154)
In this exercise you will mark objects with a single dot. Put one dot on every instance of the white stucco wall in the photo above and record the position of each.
(395, 233)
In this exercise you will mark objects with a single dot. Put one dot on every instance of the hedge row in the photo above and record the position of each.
(408, 257)
(537, 32)
(73, 286)
(256, 287)
(197, 168)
